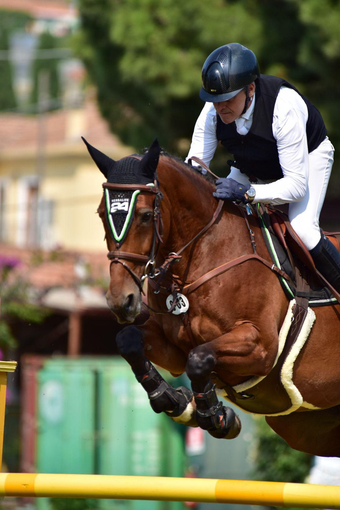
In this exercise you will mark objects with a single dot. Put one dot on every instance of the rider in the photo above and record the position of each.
(278, 140)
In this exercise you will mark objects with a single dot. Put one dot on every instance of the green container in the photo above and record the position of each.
(95, 418)
(66, 420)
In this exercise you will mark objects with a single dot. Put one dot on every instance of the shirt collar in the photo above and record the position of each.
(250, 111)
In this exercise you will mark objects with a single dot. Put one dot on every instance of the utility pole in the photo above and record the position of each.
(43, 106)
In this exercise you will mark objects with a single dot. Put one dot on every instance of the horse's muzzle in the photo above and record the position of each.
(126, 308)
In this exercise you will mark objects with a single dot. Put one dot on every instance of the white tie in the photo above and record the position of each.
(240, 126)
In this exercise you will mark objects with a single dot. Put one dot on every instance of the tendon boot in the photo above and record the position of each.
(163, 397)
(211, 415)
(327, 260)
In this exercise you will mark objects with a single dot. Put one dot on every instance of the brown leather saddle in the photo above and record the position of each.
(297, 253)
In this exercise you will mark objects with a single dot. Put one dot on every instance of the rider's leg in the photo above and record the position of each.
(304, 215)
(327, 260)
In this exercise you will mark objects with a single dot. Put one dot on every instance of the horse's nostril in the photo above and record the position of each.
(129, 303)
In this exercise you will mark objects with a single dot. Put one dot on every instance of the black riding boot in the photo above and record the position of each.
(327, 260)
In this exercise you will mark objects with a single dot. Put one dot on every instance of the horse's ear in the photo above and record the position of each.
(103, 162)
(149, 162)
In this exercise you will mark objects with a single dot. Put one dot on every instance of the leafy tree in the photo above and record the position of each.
(275, 461)
(146, 59)
(319, 57)
(50, 66)
(15, 302)
(9, 22)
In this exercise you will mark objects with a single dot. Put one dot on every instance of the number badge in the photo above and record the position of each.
(182, 304)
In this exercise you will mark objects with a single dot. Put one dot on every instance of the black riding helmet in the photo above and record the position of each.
(227, 71)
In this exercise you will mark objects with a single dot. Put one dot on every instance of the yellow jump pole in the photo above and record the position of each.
(169, 489)
(5, 368)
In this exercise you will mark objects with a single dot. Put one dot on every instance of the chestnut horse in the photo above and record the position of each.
(217, 309)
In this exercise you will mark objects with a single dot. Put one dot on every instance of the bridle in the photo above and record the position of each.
(117, 256)
(150, 271)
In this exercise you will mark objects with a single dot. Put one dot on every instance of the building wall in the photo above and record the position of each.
(49, 198)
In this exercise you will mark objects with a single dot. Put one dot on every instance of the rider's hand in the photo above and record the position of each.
(229, 189)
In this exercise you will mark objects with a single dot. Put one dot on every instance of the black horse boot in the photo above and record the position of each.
(327, 260)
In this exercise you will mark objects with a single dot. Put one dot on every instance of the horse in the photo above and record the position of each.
(217, 310)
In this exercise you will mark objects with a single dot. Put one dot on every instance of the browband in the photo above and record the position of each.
(152, 188)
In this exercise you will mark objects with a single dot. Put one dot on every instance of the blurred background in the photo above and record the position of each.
(120, 73)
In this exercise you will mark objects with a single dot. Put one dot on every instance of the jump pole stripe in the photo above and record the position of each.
(169, 489)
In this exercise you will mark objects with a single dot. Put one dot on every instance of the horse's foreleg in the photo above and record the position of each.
(211, 415)
(234, 355)
(163, 397)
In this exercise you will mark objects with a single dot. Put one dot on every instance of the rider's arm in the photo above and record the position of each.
(204, 141)
(289, 129)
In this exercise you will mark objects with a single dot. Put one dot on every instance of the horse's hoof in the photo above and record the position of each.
(230, 427)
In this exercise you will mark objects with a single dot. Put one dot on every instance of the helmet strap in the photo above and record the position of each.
(248, 99)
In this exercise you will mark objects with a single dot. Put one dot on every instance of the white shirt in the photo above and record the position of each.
(289, 130)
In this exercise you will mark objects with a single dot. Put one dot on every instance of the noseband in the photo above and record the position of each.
(117, 256)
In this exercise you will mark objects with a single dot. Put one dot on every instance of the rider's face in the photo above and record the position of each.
(232, 109)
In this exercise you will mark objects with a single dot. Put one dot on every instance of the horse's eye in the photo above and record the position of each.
(146, 217)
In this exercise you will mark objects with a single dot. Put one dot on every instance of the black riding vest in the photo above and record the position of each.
(256, 153)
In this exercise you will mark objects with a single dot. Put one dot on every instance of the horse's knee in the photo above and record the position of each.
(130, 346)
(200, 363)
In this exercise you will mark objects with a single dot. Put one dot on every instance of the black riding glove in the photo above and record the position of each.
(229, 189)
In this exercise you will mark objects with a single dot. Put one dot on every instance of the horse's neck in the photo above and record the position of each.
(190, 206)
(189, 203)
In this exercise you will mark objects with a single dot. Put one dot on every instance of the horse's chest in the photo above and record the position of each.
(186, 332)
(179, 332)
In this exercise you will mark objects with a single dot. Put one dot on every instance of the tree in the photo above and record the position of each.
(50, 66)
(146, 57)
(9, 22)
(15, 304)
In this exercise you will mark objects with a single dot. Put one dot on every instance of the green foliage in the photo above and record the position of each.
(275, 460)
(49, 66)
(145, 57)
(9, 22)
(15, 302)
(73, 504)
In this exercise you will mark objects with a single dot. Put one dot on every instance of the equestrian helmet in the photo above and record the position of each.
(227, 71)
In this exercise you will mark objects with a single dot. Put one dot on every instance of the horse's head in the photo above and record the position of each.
(130, 214)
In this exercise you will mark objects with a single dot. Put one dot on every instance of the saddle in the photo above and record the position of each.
(287, 249)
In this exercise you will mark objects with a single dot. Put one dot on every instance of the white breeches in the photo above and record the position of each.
(304, 215)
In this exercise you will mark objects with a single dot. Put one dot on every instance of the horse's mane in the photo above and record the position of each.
(197, 170)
